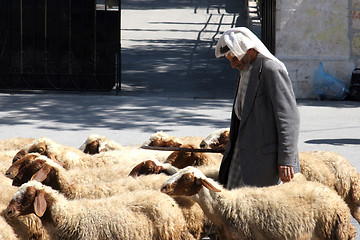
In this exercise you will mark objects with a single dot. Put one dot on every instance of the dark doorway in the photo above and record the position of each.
(59, 45)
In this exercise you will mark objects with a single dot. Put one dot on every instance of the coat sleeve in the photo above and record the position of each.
(286, 113)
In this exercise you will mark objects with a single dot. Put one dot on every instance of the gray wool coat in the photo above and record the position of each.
(269, 128)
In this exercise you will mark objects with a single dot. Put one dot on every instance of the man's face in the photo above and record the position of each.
(236, 63)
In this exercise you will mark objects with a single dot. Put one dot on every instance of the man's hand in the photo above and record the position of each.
(286, 173)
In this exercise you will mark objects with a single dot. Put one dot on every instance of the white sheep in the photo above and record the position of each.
(326, 167)
(65, 154)
(83, 175)
(95, 144)
(49, 173)
(72, 157)
(181, 159)
(162, 139)
(89, 174)
(135, 215)
(53, 175)
(216, 140)
(295, 210)
(335, 171)
(25, 227)
(156, 167)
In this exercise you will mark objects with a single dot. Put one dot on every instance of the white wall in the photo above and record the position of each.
(308, 32)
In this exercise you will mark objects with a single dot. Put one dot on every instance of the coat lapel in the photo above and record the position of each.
(251, 91)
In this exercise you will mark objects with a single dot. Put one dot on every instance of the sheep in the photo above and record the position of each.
(161, 139)
(335, 171)
(53, 175)
(295, 210)
(25, 227)
(135, 215)
(80, 175)
(153, 167)
(181, 159)
(326, 167)
(90, 174)
(216, 140)
(72, 157)
(156, 167)
(95, 144)
(53, 150)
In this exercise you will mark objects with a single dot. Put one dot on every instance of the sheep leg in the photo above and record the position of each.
(355, 211)
(344, 229)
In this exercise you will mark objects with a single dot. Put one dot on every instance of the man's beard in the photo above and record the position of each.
(246, 67)
(246, 63)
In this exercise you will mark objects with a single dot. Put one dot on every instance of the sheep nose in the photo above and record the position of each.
(10, 211)
(7, 174)
(202, 145)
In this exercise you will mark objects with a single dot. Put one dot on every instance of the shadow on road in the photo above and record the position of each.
(185, 66)
(67, 112)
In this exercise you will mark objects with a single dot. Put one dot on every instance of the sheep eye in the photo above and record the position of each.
(26, 200)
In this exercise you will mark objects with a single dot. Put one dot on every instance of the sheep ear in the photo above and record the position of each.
(40, 204)
(42, 174)
(136, 170)
(209, 186)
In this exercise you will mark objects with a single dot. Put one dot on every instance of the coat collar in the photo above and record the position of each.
(251, 91)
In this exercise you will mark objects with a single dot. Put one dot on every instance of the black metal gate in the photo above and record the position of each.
(267, 13)
(59, 45)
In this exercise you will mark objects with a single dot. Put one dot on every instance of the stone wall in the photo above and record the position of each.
(308, 32)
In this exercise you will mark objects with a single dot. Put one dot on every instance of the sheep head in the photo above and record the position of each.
(187, 182)
(161, 139)
(92, 147)
(14, 169)
(30, 198)
(182, 159)
(25, 173)
(42, 170)
(39, 147)
(152, 167)
(216, 140)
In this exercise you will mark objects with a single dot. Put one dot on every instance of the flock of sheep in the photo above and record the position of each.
(104, 190)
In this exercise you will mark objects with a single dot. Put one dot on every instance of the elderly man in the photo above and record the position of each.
(262, 148)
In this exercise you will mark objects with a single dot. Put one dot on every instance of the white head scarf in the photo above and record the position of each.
(240, 39)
